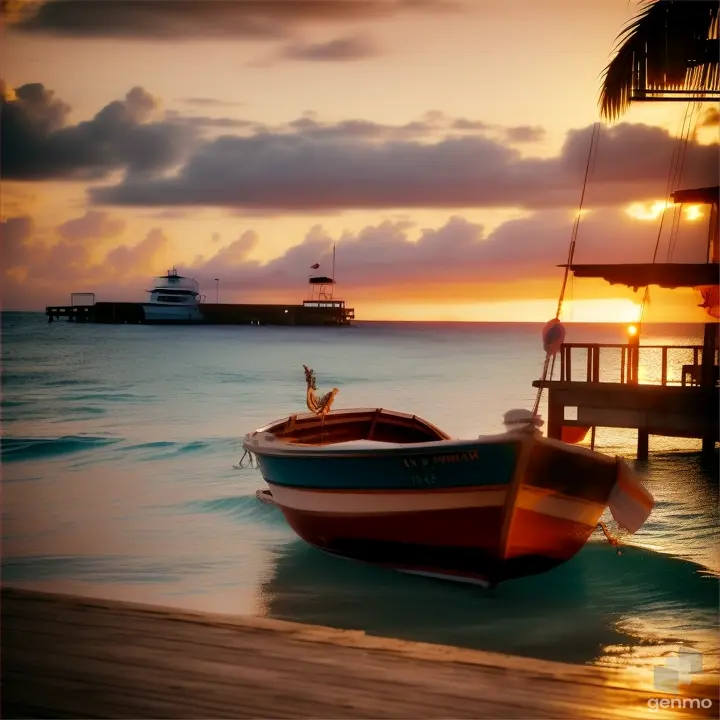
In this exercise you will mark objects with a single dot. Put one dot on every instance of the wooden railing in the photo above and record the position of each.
(632, 363)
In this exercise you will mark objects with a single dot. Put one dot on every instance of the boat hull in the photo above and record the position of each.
(171, 314)
(482, 511)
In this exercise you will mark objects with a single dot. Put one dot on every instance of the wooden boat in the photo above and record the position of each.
(392, 489)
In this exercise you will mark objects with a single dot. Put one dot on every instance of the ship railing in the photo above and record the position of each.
(678, 365)
(179, 283)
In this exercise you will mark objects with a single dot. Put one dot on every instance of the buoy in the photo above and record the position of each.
(553, 336)
(522, 419)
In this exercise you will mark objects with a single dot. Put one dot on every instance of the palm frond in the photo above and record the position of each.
(668, 45)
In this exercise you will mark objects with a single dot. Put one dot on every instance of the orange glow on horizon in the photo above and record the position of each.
(632, 330)
(538, 310)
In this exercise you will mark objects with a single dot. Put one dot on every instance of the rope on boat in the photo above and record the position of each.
(612, 540)
(677, 162)
(550, 361)
(248, 460)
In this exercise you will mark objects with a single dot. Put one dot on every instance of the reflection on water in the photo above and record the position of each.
(118, 481)
(598, 608)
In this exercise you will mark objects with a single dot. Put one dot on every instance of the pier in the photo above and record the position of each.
(66, 656)
(317, 314)
(657, 390)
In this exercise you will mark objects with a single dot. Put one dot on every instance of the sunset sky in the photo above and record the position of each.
(441, 144)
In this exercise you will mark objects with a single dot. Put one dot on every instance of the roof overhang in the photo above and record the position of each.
(665, 275)
(702, 196)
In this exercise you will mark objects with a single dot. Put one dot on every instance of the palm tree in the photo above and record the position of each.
(670, 46)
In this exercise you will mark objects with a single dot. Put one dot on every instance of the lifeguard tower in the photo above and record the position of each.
(322, 295)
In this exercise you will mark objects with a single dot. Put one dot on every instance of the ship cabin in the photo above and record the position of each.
(174, 289)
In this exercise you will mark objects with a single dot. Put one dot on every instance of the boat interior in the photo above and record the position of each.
(374, 424)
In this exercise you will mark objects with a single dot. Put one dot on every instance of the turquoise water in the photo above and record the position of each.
(118, 481)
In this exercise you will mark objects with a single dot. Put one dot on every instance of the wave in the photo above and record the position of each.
(103, 397)
(167, 449)
(245, 508)
(100, 569)
(35, 448)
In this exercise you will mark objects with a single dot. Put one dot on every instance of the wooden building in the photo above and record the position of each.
(602, 385)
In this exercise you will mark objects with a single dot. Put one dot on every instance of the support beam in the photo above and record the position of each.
(708, 445)
(710, 341)
(643, 445)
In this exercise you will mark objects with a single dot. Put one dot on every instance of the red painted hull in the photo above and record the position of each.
(464, 544)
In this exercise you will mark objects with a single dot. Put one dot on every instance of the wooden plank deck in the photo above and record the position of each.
(64, 656)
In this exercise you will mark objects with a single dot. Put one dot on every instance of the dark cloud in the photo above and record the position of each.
(524, 134)
(465, 124)
(344, 166)
(203, 122)
(38, 145)
(190, 19)
(343, 49)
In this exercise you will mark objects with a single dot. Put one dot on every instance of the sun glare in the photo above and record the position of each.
(615, 310)
(647, 211)
(652, 211)
(694, 212)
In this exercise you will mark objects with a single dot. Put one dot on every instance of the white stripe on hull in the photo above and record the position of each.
(555, 506)
(348, 502)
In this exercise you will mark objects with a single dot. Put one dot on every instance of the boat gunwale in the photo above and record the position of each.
(279, 447)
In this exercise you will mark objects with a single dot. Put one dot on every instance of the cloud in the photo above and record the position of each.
(134, 261)
(525, 134)
(709, 118)
(173, 20)
(457, 256)
(37, 144)
(342, 49)
(93, 225)
(42, 266)
(210, 102)
(390, 261)
(203, 122)
(361, 165)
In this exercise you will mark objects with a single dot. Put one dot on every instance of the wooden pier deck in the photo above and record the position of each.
(69, 657)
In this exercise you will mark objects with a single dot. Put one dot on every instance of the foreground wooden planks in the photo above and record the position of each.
(64, 656)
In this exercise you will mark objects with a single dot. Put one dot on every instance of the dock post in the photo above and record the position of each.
(708, 444)
(643, 444)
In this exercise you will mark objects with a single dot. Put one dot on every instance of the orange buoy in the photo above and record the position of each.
(573, 434)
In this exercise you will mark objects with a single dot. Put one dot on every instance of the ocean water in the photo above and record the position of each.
(118, 453)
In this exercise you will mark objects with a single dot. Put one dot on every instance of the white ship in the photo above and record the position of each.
(173, 299)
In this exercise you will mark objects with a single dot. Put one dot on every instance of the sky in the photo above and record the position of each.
(440, 145)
